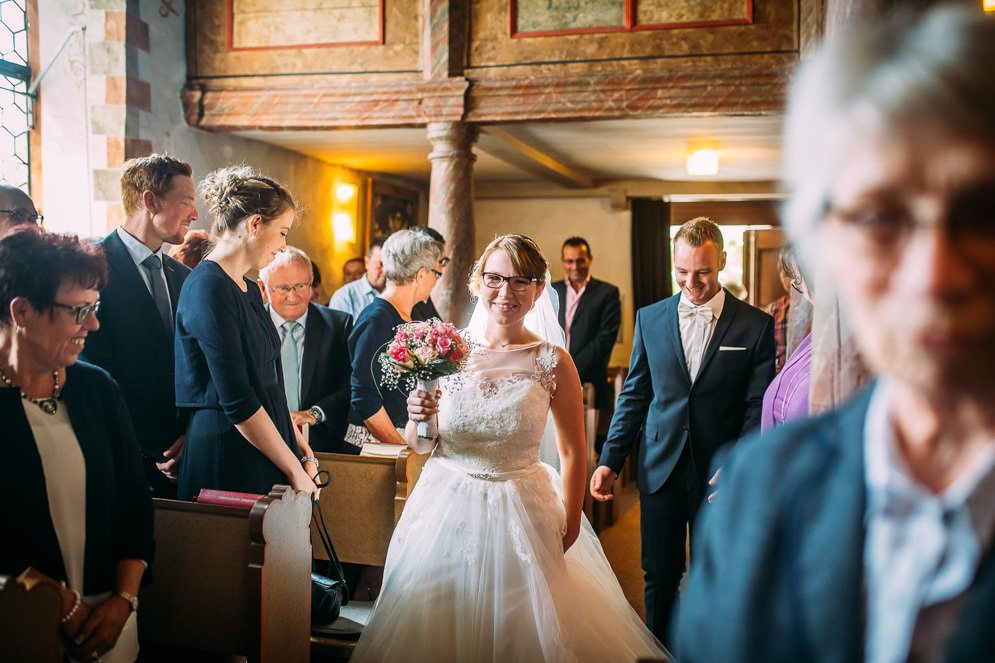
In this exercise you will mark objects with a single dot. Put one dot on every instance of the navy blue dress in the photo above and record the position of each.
(373, 331)
(227, 367)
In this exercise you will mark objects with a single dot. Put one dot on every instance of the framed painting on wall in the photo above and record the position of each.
(389, 208)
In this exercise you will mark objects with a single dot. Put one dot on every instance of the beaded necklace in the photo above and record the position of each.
(48, 405)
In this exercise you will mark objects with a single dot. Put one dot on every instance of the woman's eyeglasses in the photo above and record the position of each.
(516, 283)
(83, 312)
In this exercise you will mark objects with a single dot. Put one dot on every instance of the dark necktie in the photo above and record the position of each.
(154, 267)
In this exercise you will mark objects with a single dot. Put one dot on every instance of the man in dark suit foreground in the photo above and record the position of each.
(590, 313)
(701, 361)
(314, 352)
(135, 340)
(867, 534)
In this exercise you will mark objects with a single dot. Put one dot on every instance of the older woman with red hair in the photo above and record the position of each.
(83, 513)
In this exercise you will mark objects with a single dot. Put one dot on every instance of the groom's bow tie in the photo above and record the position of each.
(691, 312)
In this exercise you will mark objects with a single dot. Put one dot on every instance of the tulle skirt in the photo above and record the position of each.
(476, 572)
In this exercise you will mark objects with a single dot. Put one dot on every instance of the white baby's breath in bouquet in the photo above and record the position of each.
(420, 354)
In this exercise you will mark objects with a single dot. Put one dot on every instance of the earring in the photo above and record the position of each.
(19, 329)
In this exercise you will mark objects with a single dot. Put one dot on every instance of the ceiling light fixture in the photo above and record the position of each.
(703, 162)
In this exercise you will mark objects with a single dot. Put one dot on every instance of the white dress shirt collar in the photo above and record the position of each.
(716, 303)
(922, 549)
(278, 320)
(138, 251)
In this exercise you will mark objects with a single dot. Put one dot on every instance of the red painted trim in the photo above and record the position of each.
(230, 36)
(693, 24)
(630, 23)
(578, 31)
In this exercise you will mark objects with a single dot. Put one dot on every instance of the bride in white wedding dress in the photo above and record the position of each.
(492, 559)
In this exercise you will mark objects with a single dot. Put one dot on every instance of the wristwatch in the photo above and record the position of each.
(130, 598)
(315, 412)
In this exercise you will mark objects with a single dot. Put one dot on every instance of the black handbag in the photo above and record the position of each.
(328, 587)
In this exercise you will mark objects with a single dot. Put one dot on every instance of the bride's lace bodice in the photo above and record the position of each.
(493, 413)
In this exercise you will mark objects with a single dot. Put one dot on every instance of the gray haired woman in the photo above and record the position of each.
(413, 263)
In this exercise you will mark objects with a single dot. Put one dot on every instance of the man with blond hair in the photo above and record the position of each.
(700, 363)
(135, 340)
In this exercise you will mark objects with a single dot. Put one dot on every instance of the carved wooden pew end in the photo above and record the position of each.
(230, 580)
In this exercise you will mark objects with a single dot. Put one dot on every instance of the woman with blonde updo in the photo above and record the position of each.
(228, 371)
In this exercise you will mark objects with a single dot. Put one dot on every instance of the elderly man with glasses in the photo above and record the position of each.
(314, 350)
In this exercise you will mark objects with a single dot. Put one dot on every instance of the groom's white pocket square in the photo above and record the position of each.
(724, 348)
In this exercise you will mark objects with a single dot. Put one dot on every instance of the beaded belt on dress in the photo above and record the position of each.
(488, 476)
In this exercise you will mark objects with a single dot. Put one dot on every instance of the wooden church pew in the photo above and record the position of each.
(230, 580)
(30, 616)
(361, 506)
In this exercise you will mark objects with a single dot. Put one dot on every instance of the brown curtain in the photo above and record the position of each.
(650, 251)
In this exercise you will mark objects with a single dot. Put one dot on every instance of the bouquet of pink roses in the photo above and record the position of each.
(421, 353)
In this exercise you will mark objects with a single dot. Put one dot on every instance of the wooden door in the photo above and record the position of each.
(760, 274)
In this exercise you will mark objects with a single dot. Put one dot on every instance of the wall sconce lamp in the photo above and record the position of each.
(343, 225)
(703, 162)
(988, 5)
(345, 192)
(343, 228)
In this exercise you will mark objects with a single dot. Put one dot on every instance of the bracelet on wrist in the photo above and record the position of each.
(129, 597)
(75, 607)
(305, 459)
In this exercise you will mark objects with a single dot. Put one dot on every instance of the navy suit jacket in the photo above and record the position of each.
(777, 567)
(325, 373)
(135, 347)
(722, 404)
(592, 333)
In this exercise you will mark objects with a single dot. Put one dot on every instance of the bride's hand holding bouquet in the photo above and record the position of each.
(420, 354)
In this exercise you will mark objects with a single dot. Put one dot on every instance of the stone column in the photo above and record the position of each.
(450, 211)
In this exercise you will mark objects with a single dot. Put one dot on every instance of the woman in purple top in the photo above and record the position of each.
(786, 397)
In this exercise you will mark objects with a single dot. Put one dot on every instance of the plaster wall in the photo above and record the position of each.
(80, 173)
(549, 221)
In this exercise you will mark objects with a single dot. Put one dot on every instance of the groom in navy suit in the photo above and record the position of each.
(700, 363)
(135, 340)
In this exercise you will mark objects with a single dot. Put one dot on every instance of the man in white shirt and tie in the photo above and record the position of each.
(314, 353)
(700, 363)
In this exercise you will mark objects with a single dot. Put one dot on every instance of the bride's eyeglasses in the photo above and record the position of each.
(516, 283)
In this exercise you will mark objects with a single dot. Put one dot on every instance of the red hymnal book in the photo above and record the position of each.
(226, 498)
